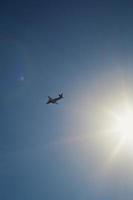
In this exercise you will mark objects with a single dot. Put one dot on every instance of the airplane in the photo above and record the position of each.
(54, 100)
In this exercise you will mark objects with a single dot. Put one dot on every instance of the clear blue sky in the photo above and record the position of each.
(84, 49)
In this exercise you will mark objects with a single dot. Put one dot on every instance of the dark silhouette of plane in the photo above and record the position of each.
(54, 100)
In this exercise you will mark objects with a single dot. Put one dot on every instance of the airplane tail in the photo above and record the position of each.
(49, 97)
(49, 100)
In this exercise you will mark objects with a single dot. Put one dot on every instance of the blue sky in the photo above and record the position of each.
(83, 49)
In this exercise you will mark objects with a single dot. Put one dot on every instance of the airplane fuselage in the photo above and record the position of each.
(54, 100)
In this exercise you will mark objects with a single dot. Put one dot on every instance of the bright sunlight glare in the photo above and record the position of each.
(123, 124)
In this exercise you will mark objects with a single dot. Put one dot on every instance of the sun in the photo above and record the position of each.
(122, 125)
(124, 122)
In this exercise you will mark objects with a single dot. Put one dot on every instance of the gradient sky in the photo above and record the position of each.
(85, 50)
